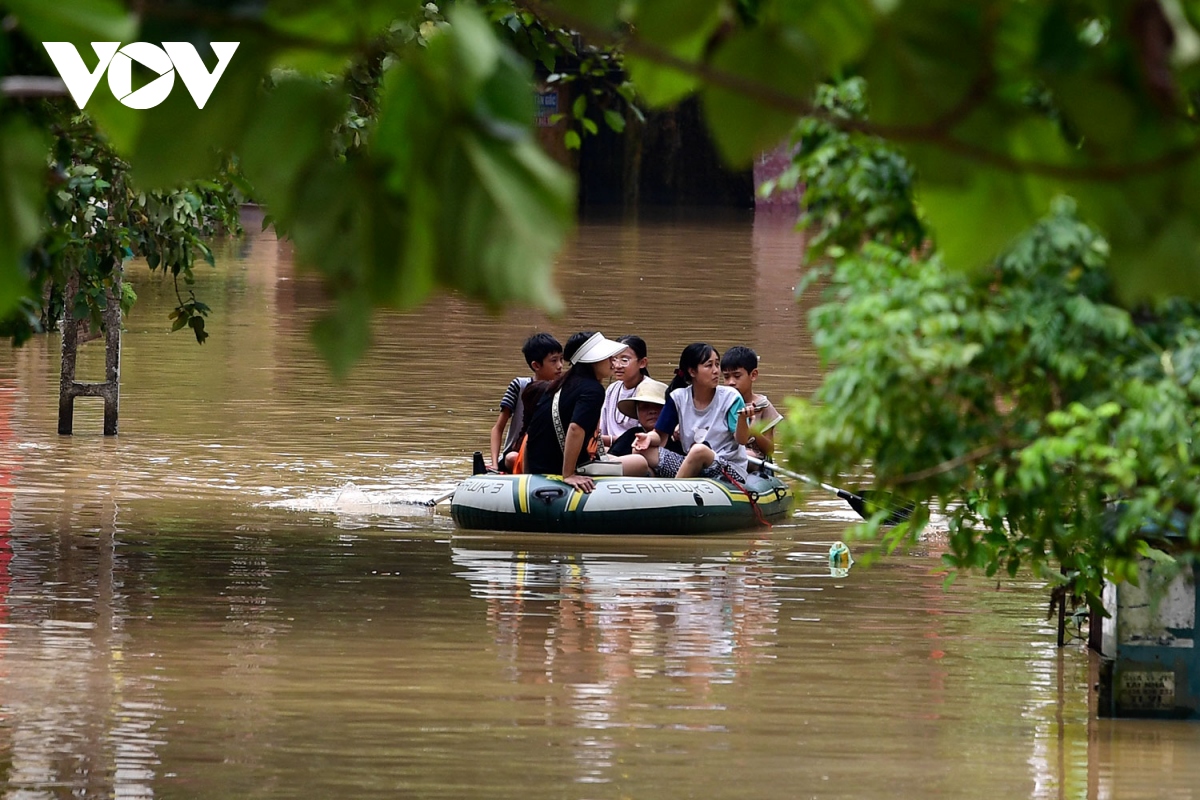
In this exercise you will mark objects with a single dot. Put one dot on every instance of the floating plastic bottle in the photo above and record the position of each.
(839, 560)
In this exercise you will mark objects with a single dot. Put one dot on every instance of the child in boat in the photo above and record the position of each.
(739, 369)
(629, 370)
(645, 406)
(712, 422)
(544, 355)
(531, 395)
(566, 422)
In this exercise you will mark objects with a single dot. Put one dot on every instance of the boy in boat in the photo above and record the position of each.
(739, 369)
(544, 355)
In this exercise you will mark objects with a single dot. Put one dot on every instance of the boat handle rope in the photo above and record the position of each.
(751, 496)
(767, 472)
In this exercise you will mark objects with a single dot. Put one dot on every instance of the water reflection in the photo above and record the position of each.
(596, 622)
(84, 720)
(594, 618)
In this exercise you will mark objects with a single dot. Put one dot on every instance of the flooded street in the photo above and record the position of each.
(235, 597)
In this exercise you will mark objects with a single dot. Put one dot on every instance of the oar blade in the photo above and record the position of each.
(869, 503)
(866, 504)
(857, 503)
(897, 510)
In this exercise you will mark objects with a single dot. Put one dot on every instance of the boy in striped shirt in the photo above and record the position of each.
(544, 355)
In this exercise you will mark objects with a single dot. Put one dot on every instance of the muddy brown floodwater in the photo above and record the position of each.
(232, 599)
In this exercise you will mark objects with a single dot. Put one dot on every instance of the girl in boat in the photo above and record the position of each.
(629, 370)
(563, 433)
(712, 422)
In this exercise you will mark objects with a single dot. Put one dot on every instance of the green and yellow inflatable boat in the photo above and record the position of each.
(626, 506)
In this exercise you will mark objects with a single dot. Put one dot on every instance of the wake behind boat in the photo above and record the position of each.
(618, 505)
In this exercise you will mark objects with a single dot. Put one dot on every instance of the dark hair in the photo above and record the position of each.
(531, 395)
(638, 345)
(577, 371)
(739, 357)
(692, 357)
(538, 346)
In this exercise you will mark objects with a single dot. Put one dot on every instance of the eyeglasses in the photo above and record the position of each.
(621, 360)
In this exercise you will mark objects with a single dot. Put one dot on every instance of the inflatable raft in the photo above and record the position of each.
(629, 506)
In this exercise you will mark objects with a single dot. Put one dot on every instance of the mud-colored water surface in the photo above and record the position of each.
(235, 597)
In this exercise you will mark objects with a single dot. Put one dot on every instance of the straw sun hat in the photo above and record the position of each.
(648, 391)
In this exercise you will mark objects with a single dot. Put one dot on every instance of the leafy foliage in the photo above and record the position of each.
(1000, 106)
(1054, 426)
(94, 219)
(393, 145)
(592, 75)
(855, 185)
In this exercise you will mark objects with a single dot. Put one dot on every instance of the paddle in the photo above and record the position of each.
(433, 501)
(862, 503)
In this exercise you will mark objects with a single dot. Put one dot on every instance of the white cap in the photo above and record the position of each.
(595, 349)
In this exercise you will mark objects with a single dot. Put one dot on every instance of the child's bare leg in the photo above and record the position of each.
(634, 466)
(510, 461)
(696, 461)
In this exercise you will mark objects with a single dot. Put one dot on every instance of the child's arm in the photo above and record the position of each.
(498, 435)
(741, 432)
(667, 420)
(764, 441)
(764, 435)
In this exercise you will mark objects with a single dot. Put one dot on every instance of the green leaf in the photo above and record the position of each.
(975, 210)
(1166, 263)
(659, 85)
(286, 137)
(600, 12)
(614, 120)
(196, 323)
(506, 98)
(344, 334)
(23, 155)
(337, 22)
(1099, 110)
(1149, 222)
(924, 59)
(666, 21)
(77, 21)
(476, 49)
(177, 142)
(571, 140)
(400, 116)
(841, 30)
(519, 204)
(780, 62)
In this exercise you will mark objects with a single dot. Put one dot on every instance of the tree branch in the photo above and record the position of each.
(978, 454)
(32, 86)
(934, 133)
